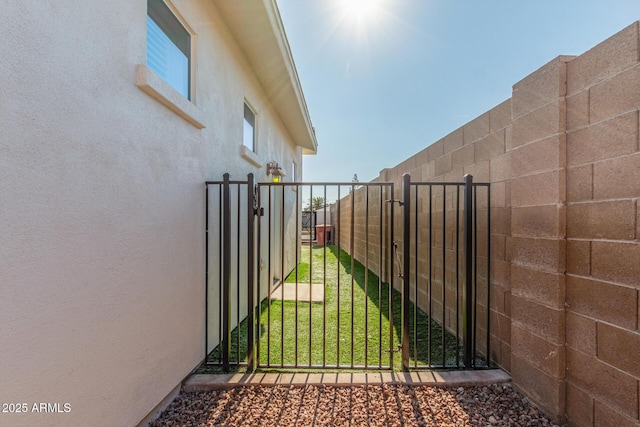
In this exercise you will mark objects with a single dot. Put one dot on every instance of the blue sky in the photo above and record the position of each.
(383, 84)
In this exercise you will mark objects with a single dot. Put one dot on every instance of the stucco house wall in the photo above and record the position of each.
(563, 160)
(102, 196)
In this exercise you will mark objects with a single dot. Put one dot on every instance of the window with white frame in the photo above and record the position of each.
(168, 47)
(249, 129)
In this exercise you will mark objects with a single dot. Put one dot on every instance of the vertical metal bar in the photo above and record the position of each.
(237, 285)
(226, 272)
(269, 274)
(416, 277)
(258, 314)
(324, 288)
(391, 276)
(297, 280)
(488, 275)
(458, 276)
(206, 272)
(220, 276)
(468, 264)
(338, 233)
(430, 273)
(444, 273)
(311, 283)
(282, 243)
(475, 271)
(250, 273)
(353, 255)
(380, 268)
(406, 273)
(366, 278)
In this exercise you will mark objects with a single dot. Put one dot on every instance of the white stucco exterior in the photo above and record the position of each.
(102, 196)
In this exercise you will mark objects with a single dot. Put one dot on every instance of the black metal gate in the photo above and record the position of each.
(359, 287)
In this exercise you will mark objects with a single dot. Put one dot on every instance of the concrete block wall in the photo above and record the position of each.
(563, 159)
(603, 246)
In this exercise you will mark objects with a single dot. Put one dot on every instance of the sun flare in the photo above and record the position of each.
(362, 11)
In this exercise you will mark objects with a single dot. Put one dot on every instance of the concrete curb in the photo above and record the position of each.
(204, 382)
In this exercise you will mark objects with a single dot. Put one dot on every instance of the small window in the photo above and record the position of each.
(249, 133)
(168, 47)
(293, 171)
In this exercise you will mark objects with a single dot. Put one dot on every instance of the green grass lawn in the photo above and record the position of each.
(350, 329)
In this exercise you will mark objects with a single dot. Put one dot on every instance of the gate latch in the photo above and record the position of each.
(400, 202)
(396, 350)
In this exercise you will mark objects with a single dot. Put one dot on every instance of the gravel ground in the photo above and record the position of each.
(373, 405)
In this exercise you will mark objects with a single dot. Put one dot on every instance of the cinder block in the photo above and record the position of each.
(546, 322)
(501, 168)
(607, 384)
(435, 150)
(617, 178)
(501, 274)
(579, 257)
(609, 57)
(613, 220)
(498, 195)
(619, 348)
(498, 247)
(581, 333)
(616, 262)
(602, 301)
(545, 188)
(538, 221)
(546, 356)
(539, 88)
(548, 392)
(606, 416)
(508, 138)
(546, 121)
(490, 146)
(476, 129)
(616, 95)
(579, 406)
(454, 140)
(501, 326)
(428, 170)
(505, 351)
(538, 253)
(501, 220)
(539, 286)
(422, 156)
(541, 155)
(500, 116)
(604, 140)
(480, 170)
(578, 110)
(443, 164)
(580, 183)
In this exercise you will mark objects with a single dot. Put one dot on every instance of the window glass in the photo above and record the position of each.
(248, 133)
(168, 46)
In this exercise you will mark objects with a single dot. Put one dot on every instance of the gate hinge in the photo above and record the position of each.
(400, 202)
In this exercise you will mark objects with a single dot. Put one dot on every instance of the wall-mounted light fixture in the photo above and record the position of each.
(276, 172)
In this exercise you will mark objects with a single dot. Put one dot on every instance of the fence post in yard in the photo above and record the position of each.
(468, 272)
(226, 271)
(406, 261)
(251, 212)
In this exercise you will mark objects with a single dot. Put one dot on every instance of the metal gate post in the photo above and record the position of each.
(406, 261)
(251, 212)
(468, 272)
(226, 272)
